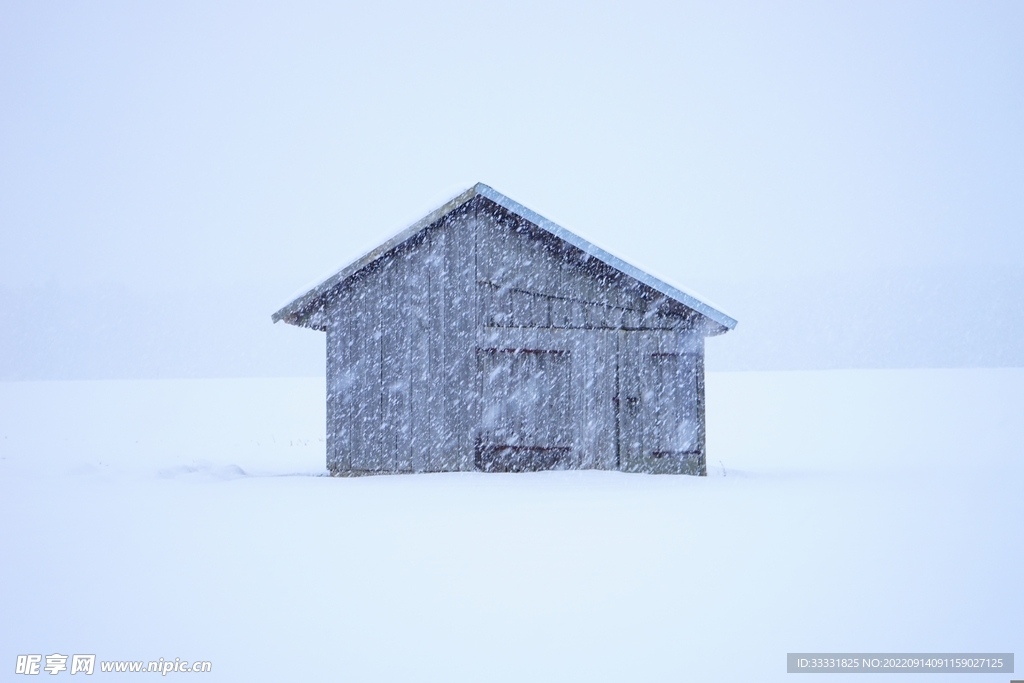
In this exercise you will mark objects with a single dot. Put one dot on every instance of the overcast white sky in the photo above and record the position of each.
(193, 145)
(192, 142)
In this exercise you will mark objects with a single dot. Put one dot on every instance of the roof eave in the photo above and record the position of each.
(293, 313)
(602, 255)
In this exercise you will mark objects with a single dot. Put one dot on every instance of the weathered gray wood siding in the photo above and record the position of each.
(354, 425)
(661, 399)
(486, 343)
(547, 399)
(401, 366)
(526, 277)
(634, 362)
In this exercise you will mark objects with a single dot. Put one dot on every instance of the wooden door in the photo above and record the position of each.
(525, 424)
(658, 404)
(546, 400)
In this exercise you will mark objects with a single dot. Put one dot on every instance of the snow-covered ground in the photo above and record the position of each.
(844, 511)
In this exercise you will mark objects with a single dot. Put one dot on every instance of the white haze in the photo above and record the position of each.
(844, 178)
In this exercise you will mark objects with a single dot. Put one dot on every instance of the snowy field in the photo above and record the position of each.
(845, 511)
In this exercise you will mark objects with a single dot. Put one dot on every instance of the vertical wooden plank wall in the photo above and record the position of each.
(405, 355)
(394, 379)
(403, 373)
(354, 373)
(698, 342)
(338, 441)
(436, 422)
(460, 387)
(418, 356)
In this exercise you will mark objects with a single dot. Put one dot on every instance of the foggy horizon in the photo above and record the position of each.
(819, 172)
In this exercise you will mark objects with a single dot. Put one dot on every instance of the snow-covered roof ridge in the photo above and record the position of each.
(670, 291)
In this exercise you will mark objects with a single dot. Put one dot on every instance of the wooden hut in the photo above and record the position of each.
(485, 337)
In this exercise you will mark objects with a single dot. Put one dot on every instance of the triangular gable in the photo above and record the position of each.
(297, 306)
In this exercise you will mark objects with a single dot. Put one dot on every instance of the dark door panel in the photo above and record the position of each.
(659, 403)
(546, 399)
(526, 422)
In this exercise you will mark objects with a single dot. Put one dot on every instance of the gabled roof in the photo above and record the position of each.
(674, 293)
